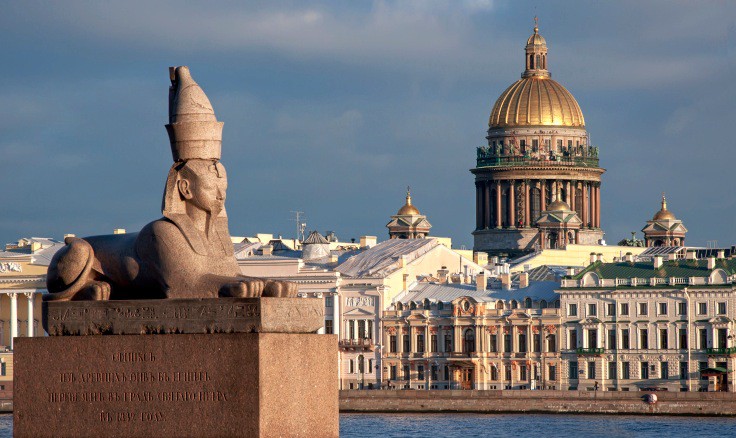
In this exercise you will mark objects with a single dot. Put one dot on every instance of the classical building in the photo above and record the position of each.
(538, 146)
(408, 222)
(664, 229)
(558, 225)
(457, 336)
(664, 325)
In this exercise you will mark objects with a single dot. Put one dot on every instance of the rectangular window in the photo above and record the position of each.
(552, 372)
(522, 342)
(572, 309)
(612, 339)
(683, 338)
(522, 373)
(435, 372)
(664, 370)
(702, 308)
(573, 339)
(507, 347)
(351, 324)
(592, 310)
(392, 372)
(624, 309)
(663, 339)
(645, 370)
(643, 339)
(328, 327)
(611, 309)
(370, 329)
(682, 308)
(329, 301)
(433, 344)
(591, 370)
(569, 143)
(407, 372)
(420, 372)
(507, 372)
(643, 309)
(721, 308)
(559, 144)
(722, 338)
(361, 328)
(684, 373)
(592, 338)
(420, 343)
(701, 367)
(625, 344)
(494, 373)
(447, 372)
(448, 342)
(535, 145)
(351, 366)
(493, 346)
(662, 308)
(703, 336)
(537, 342)
(573, 370)
(392, 344)
(407, 344)
(551, 343)
(625, 370)
(611, 370)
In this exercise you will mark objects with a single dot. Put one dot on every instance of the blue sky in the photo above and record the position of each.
(333, 108)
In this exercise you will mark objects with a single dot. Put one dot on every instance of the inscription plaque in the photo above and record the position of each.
(224, 384)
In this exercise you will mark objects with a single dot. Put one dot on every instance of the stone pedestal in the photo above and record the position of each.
(216, 384)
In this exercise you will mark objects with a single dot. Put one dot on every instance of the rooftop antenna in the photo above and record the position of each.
(300, 225)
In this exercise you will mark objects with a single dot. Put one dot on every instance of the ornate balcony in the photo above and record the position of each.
(590, 351)
(731, 351)
(486, 158)
(363, 344)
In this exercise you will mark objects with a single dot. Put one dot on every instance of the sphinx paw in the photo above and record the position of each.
(281, 289)
(94, 291)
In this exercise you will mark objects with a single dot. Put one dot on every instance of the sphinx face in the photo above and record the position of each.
(206, 185)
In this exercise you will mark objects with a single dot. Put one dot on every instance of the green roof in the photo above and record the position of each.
(673, 268)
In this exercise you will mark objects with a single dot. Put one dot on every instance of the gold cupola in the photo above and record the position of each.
(663, 214)
(536, 99)
(408, 209)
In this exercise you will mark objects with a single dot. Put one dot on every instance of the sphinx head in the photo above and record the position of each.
(196, 184)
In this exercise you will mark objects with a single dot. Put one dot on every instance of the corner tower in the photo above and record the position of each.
(537, 147)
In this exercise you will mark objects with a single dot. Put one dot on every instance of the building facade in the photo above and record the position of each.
(538, 147)
(654, 325)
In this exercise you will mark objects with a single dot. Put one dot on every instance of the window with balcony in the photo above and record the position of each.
(722, 338)
(361, 328)
(572, 309)
(624, 309)
(369, 333)
(592, 338)
(643, 309)
(702, 308)
(351, 324)
(573, 339)
(703, 338)
(625, 343)
(469, 341)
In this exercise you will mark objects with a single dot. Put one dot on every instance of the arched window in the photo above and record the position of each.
(528, 303)
(514, 304)
(413, 305)
(427, 304)
(531, 61)
(440, 305)
(543, 304)
(536, 205)
(399, 306)
(536, 61)
(499, 305)
(557, 304)
(469, 341)
(579, 203)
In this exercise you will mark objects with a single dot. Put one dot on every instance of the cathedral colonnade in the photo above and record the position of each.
(13, 321)
(499, 207)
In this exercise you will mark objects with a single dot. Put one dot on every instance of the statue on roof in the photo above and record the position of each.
(188, 253)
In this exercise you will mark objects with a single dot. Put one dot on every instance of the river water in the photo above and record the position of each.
(513, 425)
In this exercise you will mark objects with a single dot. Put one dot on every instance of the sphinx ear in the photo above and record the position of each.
(185, 188)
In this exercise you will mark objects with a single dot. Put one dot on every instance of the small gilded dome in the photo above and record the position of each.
(558, 206)
(408, 209)
(663, 214)
(536, 39)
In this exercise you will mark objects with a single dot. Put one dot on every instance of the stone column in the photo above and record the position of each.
(13, 318)
(336, 315)
(512, 204)
(598, 205)
(30, 296)
(527, 205)
(543, 194)
(567, 193)
(478, 206)
(498, 204)
(585, 205)
(486, 205)
(572, 195)
(594, 207)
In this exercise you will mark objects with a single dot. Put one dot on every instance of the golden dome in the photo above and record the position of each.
(664, 214)
(558, 206)
(408, 209)
(536, 99)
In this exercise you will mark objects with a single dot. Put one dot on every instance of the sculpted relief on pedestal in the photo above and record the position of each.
(188, 252)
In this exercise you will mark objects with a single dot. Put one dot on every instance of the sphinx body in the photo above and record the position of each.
(187, 253)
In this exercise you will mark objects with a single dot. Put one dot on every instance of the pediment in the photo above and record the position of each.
(358, 312)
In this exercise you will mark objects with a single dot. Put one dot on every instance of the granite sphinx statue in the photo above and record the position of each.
(187, 253)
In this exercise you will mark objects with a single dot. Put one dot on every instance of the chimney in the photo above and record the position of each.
(592, 257)
(368, 241)
(523, 280)
(267, 250)
(480, 258)
(494, 260)
(118, 231)
(442, 274)
(69, 235)
(711, 262)
(481, 281)
(657, 262)
(571, 271)
(333, 258)
(35, 246)
(721, 254)
(599, 257)
(505, 281)
(691, 255)
(629, 257)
